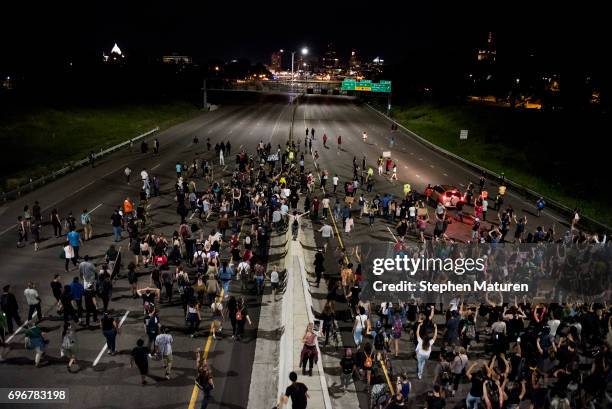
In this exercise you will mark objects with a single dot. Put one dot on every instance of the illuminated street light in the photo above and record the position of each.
(304, 52)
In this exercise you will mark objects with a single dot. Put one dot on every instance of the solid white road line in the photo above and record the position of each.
(104, 347)
(95, 208)
(9, 339)
(394, 238)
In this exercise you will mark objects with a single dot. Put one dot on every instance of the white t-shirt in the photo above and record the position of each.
(144, 175)
(335, 180)
(421, 352)
(326, 231)
(274, 277)
(412, 211)
(325, 203)
(361, 321)
(485, 204)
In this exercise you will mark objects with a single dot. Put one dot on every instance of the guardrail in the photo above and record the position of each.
(29, 187)
(586, 221)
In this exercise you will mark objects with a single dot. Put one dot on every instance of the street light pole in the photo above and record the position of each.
(292, 60)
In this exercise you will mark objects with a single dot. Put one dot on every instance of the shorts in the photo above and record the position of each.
(274, 286)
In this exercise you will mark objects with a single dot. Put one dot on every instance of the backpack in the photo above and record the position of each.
(368, 361)
(445, 375)
(239, 315)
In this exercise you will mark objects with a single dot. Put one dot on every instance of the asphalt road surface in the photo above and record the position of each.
(111, 383)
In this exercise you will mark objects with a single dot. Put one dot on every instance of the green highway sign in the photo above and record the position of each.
(366, 85)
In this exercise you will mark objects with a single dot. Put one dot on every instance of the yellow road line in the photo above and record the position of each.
(195, 392)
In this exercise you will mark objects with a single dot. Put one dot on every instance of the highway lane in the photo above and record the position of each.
(242, 125)
(417, 165)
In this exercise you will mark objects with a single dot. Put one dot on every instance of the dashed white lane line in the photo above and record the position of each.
(421, 159)
(209, 131)
(9, 339)
(95, 208)
(156, 166)
(432, 166)
(445, 174)
(419, 176)
(104, 347)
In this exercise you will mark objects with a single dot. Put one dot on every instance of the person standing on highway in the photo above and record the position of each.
(540, 204)
(33, 300)
(339, 142)
(127, 172)
(56, 223)
(163, 346)
(312, 133)
(156, 146)
(110, 331)
(221, 157)
(307, 130)
(10, 307)
(116, 222)
(140, 357)
(325, 140)
(87, 225)
(74, 238)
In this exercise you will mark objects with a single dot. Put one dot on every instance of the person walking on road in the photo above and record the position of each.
(204, 381)
(297, 391)
(10, 307)
(69, 345)
(221, 158)
(312, 133)
(140, 357)
(325, 140)
(339, 142)
(326, 234)
(163, 346)
(33, 300)
(36, 341)
(242, 317)
(156, 146)
(127, 172)
(110, 330)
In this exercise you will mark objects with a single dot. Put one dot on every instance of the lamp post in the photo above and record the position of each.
(304, 52)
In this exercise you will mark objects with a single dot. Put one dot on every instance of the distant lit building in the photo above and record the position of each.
(330, 63)
(276, 64)
(177, 59)
(8, 83)
(488, 53)
(354, 63)
(115, 56)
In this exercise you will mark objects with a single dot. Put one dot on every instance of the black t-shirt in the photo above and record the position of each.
(140, 355)
(107, 323)
(435, 402)
(347, 365)
(297, 392)
(56, 287)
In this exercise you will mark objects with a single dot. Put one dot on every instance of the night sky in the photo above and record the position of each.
(49, 31)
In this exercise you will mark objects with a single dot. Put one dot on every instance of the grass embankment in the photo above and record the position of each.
(37, 141)
(553, 153)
